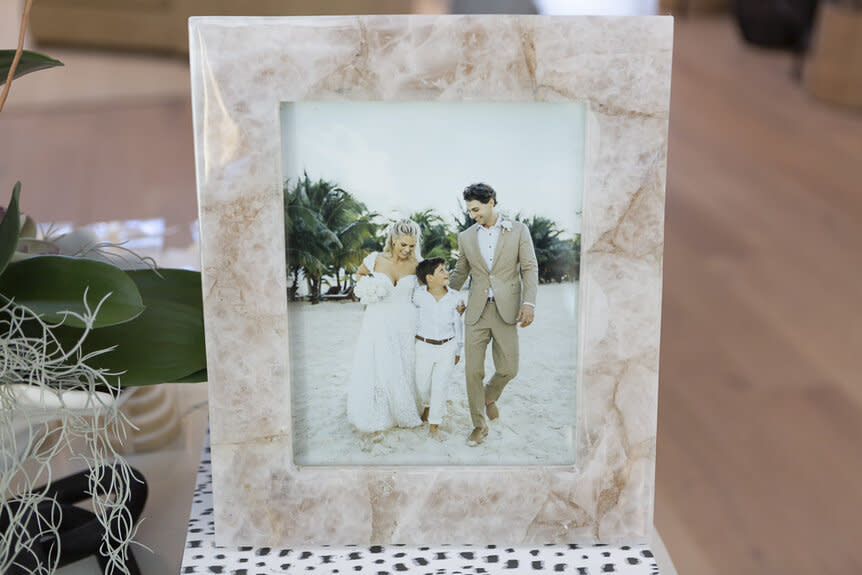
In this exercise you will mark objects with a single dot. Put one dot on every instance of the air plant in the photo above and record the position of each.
(77, 327)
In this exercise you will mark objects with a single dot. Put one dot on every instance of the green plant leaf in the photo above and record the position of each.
(165, 344)
(10, 228)
(196, 377)
(30, 62)
(53, 285)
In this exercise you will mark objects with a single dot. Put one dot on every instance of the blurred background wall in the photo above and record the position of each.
(760, 409)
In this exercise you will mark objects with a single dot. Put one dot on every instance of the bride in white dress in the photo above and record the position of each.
(381, 391)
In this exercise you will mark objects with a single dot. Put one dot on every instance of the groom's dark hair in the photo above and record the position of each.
(481, 192)
(427, 268)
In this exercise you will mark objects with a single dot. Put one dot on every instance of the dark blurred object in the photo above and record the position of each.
(692, 7)
(784, 24)
(162, 25)
(493, 7)
(79, 534)
(833, 71)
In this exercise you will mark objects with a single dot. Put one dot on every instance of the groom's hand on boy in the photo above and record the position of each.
(461, 307)
(525, 315)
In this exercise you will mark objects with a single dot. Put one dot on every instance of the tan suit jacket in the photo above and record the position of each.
(514, 275)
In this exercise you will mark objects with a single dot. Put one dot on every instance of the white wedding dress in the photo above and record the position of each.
(381, 391)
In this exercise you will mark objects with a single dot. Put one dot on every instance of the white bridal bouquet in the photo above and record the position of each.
(372, 289)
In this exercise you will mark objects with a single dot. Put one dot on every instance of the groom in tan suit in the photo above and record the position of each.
(497, 255)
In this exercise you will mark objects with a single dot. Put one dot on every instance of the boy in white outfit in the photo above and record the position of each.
(439, 338)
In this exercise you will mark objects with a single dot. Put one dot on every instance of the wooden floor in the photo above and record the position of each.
(760, 408)
(760, 411)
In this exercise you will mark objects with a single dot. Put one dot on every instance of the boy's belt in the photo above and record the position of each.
(434, 341)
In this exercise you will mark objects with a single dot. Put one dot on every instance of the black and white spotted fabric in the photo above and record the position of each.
(202, 556)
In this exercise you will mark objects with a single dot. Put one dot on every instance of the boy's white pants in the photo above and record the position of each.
(434, 365)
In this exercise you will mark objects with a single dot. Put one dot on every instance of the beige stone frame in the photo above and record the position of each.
(242, 69)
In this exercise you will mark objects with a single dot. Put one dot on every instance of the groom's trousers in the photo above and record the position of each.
(504, 350)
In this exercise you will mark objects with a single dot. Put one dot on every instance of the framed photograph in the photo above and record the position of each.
(363, 167)
(432, 261)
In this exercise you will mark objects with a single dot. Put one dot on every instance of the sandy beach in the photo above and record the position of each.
(537, 408)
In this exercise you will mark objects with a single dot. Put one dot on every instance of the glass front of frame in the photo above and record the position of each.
(359, 378)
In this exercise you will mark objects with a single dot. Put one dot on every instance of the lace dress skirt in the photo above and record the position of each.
(381, 391)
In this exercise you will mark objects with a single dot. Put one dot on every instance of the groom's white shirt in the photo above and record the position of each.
(488, 238)
(439, 319)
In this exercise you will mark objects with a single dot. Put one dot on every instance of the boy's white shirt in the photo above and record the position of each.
(433, 324)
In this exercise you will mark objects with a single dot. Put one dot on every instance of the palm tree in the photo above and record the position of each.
(463, 219)
(354, 240)
(325, 227)
(567, 265)
(308, 240)
(438, 241)
(558, 258)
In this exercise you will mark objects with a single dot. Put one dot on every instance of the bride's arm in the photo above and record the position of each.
(362, 271)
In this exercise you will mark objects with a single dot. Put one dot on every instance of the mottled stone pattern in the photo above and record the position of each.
(203, 556)
(242, 68)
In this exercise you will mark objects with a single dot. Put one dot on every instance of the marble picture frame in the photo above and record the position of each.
(242, 69)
